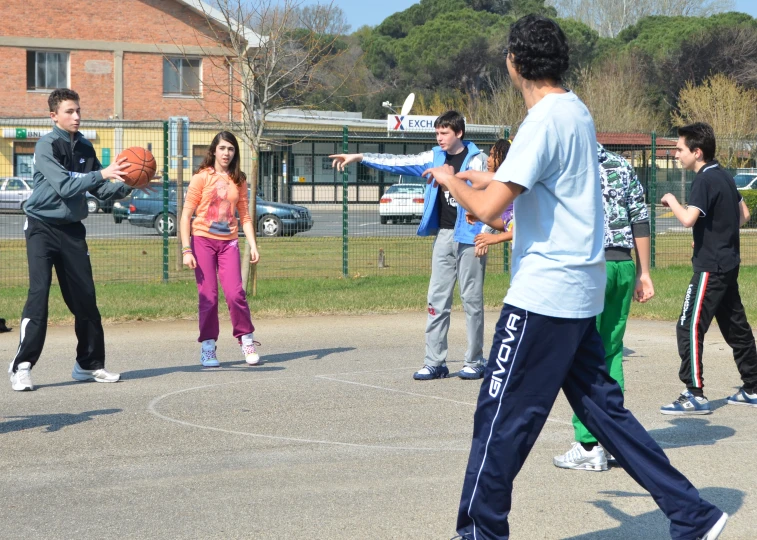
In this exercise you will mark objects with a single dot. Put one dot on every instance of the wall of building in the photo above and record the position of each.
(116, 50)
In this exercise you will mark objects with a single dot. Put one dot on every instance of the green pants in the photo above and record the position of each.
(611, 324)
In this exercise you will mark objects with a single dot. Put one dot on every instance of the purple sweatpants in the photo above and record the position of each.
(220, 257)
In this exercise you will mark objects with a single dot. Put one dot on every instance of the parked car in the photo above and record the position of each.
(274, 219)
(14, 192)
(94, 204)
(402, 202)
(746, 180)
(121, 210)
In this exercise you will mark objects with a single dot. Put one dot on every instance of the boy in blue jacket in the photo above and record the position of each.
(65, 169)
(454, 258)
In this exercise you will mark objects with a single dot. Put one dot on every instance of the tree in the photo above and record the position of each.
(326, 19)
(274, 72)
(609, 17)
(617, 96)
(514, 8)
(731, 51)
(729, 108)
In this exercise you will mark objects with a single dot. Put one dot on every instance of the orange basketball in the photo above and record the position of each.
(140, 166)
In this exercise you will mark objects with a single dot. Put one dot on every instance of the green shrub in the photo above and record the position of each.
(750, 198)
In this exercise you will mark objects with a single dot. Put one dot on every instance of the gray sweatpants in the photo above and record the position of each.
(451, 262)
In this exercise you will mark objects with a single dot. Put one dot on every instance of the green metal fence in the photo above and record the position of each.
(313, 221)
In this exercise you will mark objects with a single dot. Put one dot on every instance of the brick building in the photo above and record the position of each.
(128, 59)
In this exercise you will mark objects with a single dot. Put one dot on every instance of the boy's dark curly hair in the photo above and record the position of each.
(539, 47)
(58, 96)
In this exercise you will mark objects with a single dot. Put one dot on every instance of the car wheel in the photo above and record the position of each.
(384, 220)
(92, 206)
(171, 224)
(117, 220)
(269, 226)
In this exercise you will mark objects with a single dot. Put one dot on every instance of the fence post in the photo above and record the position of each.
(345, 208)
(165, 202)
(506, 251)
(179, 190)
(653, 198)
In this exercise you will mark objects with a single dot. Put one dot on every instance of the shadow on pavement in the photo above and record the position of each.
(317, 354)
(240, 366)
(690, 432)
(653, 524)
(54, 422)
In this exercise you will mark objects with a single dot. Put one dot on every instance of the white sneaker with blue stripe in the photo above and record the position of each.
(742, 397)
(687, 404)
(427, 373)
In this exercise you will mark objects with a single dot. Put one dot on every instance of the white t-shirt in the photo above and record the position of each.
(558, 249)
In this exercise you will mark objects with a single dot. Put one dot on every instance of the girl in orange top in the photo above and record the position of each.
(218, 188)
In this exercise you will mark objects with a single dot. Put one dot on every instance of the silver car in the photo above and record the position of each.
(14, 192)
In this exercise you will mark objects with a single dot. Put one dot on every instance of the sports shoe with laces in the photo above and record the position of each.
(22, 379)
(97, 375)
(472, 372)
(687, 404)
(742, 397)
(208, 356)
(579, 459)
(716, 529)
(426, 373)
(251, 355)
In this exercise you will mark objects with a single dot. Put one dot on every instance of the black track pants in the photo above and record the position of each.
(65, 248)
(714, 295)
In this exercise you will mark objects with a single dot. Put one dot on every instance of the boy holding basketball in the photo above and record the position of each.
(65, 169)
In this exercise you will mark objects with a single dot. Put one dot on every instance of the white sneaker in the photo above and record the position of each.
(22, 379)
(713, 533)
(97, 375)
(579, 459)
(208, 356)
(251, 355)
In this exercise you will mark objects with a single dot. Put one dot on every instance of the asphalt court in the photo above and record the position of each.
(330, 438)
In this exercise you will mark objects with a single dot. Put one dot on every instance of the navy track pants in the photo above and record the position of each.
(534, 356)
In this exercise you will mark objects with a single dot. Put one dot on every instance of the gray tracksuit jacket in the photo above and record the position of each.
(64, 170)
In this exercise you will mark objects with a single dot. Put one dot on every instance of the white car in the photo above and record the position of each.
(746, 180)
(402, 202)
(14, 192)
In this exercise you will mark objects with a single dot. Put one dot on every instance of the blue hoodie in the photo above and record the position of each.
(414, 166)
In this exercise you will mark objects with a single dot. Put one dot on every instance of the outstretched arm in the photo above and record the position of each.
(486, 204)
(478, 179)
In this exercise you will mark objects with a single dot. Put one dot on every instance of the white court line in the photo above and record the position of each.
(152, 409)
(418, 395)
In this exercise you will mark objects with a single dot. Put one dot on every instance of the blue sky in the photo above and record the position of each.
(360, 12)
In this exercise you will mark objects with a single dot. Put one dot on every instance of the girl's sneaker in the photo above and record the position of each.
(251, 355)
(208, 355)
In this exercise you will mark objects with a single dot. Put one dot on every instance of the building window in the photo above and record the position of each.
(46, 70)
(23, 159)
(181, 76)
(198, 155)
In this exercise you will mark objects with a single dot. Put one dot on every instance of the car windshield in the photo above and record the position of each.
(405, 189)
(742, 180)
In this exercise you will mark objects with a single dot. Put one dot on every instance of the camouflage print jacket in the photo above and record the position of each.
(626, 212)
